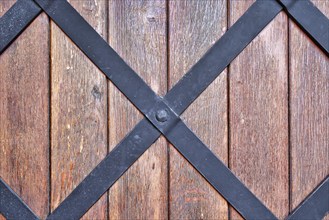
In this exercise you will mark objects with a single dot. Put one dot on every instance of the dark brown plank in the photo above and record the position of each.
(78, 110)
(258, 82)
(24, 114)
(194, 26)
(309, 110)
(137, 31)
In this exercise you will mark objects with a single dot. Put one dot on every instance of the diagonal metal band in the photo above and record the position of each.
(315, 206)
(310, 19)
(303, 12)
(11, 206)
(245, 42)
(15, 20)
(136, 90)
(149, 99)
(150, 114)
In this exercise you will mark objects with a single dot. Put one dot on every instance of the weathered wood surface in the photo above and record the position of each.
(194, 26)
(78, 110)
(24, 114)
(267, 117)
(137, 31)
(309, 112)
(258, 106)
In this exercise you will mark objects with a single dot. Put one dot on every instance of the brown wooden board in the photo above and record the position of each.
(258, 106)
(266, 116)
(309, 112)
(137, 31)
(194, 26)
(78, 110)
(24, 114)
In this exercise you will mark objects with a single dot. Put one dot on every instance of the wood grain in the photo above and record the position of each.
(137, 31)
(258, 83)
(24, 114)
(78, 110)
(194, 26)
(326, 217)
(309, 112)
(71, 117)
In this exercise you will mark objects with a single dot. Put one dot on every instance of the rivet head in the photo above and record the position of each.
(162, 115)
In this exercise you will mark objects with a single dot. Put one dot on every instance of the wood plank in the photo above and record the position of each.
(24, 114)
(194, 26)
(5, 6)
(258, 82)
(309, 112)
(78, 110)
(137, 31)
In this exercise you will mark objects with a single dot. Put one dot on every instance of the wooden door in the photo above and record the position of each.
(266, 116)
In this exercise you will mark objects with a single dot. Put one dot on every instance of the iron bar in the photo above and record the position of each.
(15, 20)
(12, 206)
(162, 113)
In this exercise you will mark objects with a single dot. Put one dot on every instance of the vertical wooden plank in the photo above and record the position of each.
(194, 26)
(258, 82)
(309, 112)
(24, 114)
(137, 31)
(78, 110)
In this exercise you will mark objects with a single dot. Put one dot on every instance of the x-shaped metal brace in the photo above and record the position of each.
(162, 113)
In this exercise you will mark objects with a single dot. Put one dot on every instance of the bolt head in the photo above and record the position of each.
(162, 115)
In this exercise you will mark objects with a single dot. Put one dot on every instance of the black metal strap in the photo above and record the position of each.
(11, 27)
(162, 113)
(221, 54)
(311, 20)
(107, 172)
(315, 206)
(152, 106)
(15, 20)
(11, 206)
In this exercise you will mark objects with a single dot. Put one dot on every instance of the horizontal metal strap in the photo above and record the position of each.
(11, 205)
(15, 20)
(315, 206)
